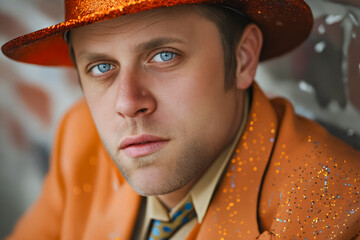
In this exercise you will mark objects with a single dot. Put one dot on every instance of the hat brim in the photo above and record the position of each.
(285, 24)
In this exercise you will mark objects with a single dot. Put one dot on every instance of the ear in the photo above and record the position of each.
(247, 56)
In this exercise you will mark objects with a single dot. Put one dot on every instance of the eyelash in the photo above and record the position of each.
(90, 71)
(174, 55)
(162, 53)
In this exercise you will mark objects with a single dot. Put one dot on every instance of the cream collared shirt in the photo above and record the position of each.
(200, 195)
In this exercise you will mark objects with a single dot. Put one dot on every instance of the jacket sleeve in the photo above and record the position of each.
(44, 219)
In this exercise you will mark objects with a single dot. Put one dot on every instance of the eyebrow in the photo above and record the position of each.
(156, 42)
(93, 57)
(153, 43)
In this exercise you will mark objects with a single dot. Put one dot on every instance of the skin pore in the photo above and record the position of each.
(161, 73)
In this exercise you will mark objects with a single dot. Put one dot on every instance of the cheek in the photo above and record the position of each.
(197, 110)
(207, 110)
(194, 96)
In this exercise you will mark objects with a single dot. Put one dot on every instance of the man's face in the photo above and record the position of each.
(154, 83)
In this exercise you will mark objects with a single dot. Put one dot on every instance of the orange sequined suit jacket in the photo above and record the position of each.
(288, 179)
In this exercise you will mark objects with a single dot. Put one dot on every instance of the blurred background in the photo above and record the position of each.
(321, 79)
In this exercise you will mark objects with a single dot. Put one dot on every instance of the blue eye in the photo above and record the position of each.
(101, 68)
(164, 57)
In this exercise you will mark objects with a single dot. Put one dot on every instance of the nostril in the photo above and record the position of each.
(142, 110)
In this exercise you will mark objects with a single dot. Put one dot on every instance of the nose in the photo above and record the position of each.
(133, 96)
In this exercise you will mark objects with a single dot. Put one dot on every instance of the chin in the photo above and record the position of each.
(152, 189)
(153, 182)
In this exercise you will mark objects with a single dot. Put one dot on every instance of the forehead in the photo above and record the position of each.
(137, 34)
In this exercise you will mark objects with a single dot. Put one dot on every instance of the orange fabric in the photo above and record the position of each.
(288, 179)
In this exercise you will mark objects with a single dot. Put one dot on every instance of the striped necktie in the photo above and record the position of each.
(164, 230)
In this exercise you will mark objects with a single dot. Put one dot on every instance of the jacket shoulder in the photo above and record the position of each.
(77, 138)
(312, 184)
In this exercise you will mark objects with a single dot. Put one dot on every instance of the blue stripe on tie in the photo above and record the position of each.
(157, 223)
(185, 219)
(155, 232)
(188, 206)
(167, 229)
(177, 214)
(151, 238)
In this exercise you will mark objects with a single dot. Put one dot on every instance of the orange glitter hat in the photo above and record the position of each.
(285, 25)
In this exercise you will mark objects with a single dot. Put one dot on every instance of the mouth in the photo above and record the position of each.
(142, 145)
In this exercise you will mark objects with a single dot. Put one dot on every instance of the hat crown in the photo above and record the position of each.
(77, 9)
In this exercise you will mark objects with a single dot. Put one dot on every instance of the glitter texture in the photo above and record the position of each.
(306, 191)
(284, 23)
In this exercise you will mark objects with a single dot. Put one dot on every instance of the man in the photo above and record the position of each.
(171, 104)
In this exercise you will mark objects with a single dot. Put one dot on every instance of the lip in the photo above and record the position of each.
(142, 145)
